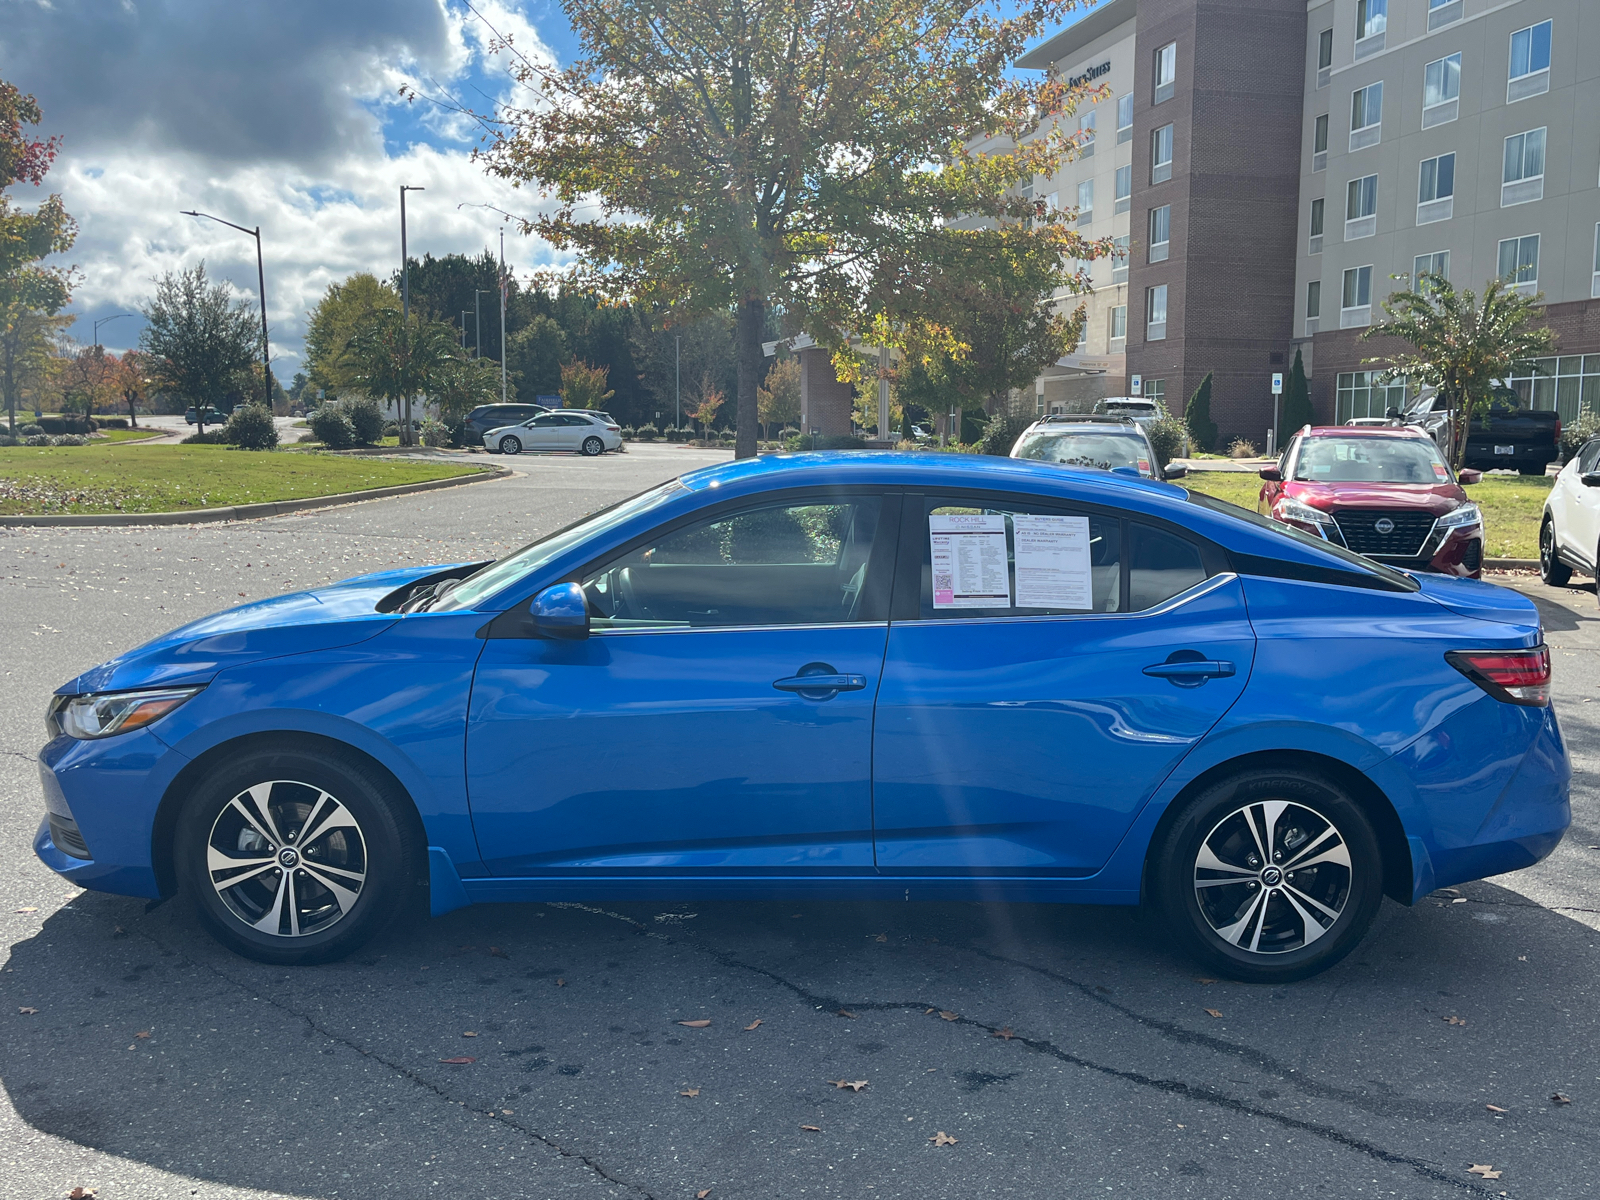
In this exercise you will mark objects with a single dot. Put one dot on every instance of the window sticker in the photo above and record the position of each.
(1053, 568)
(1439, 471)
(969, 561)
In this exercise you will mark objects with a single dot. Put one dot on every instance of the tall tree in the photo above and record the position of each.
(1197, 417)
(676, 358)
(778, 398)
(534, 357)
(1460, 347)
(736, 155)
(30, 294)
(133, 380)
(584, 386)
(461, 383)
(1296, 411)
(445, 289)
(394, 359)
(344, 307)
(201, 344)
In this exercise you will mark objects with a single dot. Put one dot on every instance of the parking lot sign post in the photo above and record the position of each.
(1277, 393)
(1136, 385)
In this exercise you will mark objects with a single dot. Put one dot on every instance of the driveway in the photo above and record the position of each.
(1060, 1051)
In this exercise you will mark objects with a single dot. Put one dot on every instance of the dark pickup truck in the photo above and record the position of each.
(1514, 437)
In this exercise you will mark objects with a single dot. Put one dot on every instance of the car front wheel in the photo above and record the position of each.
(510, 445)
(293, 857)
(593, 446)
(1551, 569)
(1269, 876)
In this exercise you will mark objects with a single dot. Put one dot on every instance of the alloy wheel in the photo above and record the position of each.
(510, 445)
(1272, 876)
(287, 858)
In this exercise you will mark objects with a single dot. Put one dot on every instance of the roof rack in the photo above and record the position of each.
(1086, 419)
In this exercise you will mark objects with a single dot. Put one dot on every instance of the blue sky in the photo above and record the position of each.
(282, 113)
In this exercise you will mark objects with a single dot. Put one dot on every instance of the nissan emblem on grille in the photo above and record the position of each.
(1383, 525)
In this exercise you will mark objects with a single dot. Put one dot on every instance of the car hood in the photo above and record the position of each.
(1485, 602)
(1436, 498)
(298, 623)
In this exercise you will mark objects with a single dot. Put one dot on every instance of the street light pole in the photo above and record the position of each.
(261, 280)
(102, 321)
(677, 381)
(405, 308)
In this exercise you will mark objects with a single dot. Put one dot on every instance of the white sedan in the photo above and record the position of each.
(1569, 536)
(566, 431)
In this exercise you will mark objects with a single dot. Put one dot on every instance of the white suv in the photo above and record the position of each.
(1569, 536)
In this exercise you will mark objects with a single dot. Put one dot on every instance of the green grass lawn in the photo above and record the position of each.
(141, 479)
(1512, 506)
(113, 436)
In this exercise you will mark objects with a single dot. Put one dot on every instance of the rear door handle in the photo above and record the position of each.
(1190, 672)
(821, 683)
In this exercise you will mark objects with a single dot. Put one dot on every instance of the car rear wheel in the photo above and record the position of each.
(593, 446)
(1551, 569)
(294, 857)
(1269, 876)
(510, 445)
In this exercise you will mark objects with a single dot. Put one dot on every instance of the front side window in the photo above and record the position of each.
(1357, 287)
(1366, 106)
(1160, 232)
(1524, 156)
(1161, 154)
(1519, 262)
(1124, 118)
(775, 564)
(1166, 69)
(1372, 17)
(1317, 206)
(1441, 80)
(1437, 263)
(1155, 308)
(1530, 50)
(1437, 179)
(1361, 198)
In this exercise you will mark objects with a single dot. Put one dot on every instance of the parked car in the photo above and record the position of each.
(1103, 443)
(496, 416)
(928, 677)
(567, 430)
(1569, 534)
(206, 416)
(1514, 437)
(1136, 408)
(1386, 493)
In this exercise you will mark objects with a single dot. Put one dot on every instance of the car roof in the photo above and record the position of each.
(1409, 432)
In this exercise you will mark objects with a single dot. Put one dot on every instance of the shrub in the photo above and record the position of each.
(647, 433)
(391, 429)
(111, 422)
(28, 431)
(211, 437)
(1576, 433)
(250, 427)
(71, 439)
(7, 440)
(1241, 448)
(435, 433)
(365, 417)
(1166, 438)
(38, 439)
(1197, 416)
(1000, 433)
(828, 441)
(628, 433)
(332, 427)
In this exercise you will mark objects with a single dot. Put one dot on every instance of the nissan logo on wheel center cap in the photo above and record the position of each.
(1272, 876)
(1383, 525)
(288, 857)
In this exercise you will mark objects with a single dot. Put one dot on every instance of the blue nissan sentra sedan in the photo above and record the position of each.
(833, 676)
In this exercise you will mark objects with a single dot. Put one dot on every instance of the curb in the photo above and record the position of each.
(1511, 564)
(248, 512)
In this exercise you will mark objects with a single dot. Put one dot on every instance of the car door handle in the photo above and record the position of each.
(821, 683)
(1190, 672)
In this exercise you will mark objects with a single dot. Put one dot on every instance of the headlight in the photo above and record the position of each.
(1461, 518)
(1288, 509)
(114, 712)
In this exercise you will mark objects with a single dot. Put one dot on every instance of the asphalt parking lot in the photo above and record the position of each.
(1066, 1051)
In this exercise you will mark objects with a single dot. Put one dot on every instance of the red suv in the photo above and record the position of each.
(1383, 492)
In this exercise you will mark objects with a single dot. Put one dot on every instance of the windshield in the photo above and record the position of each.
(1350, 557)
(1104, 450)
(1370, 460)
(498, 575)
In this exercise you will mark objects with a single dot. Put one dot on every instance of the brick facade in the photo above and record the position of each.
(825, 402)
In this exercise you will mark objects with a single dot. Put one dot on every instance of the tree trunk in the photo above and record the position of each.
(133, 412)
(752, 323)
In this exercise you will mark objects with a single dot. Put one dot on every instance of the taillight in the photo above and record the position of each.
(613, 428)
(1558, 431)
(1515, 676)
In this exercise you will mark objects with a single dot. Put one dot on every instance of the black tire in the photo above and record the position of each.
(593, 447)
(1551, 569)
(1315, 808)
(510, 445)
(359, 869)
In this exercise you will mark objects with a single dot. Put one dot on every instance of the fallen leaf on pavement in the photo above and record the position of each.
(812, 1128)
(752, 1025)
(695, 1024)
(1459, 900)
(1211, 1012)
(561, 983)
(883, 937)
(142, 1034)
(1558, 1098)
(690, 1092)
(1496, 1108)
(507, 1112)
(855, 1085)
(458, 1062)
(23, 910)
(702, 1194)
(929, 1010)
(1486, 1171)
(1455, 1020)
(845, 1012)
(949, 1016)
(1004, 1033)
(496, 952)
(79, 1193)
(1202, 979)
(942, 1139)
(469, 1033)
(26, 1012)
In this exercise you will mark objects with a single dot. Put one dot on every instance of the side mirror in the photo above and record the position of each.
(560, 611)
(1271, 474)
(1469, 475)
(1174, 472)
(1590, 479)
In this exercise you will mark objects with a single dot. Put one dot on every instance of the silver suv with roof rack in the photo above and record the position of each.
(1097, 442)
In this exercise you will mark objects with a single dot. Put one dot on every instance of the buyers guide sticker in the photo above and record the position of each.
(969, 561)
(1053, 562)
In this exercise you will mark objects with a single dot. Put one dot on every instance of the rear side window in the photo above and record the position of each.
(1588, 456)
(1160, 566)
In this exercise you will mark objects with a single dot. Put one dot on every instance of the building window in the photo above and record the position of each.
(1155, 313)
(1319, 144)
(1436, 189)
(1156, 390)
(1519, 263)
(1366, 116)
(1442, 13)
(1569, 384)
(1314, 246)
(1429, 264)
(1530, 62)
(1166, 71)
(1085, 202)
(1363, 394)
(1119, 326)
(1125, 118)
(1160, 232)
(1086, 126)
(1120, 248)
(1361, 208)
(1355, 305)
(1522, 179)
(1313, 306)
(1124, 188)
(1372, 18)
(1161, 155)
(1441, 90)
(1324, 57)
